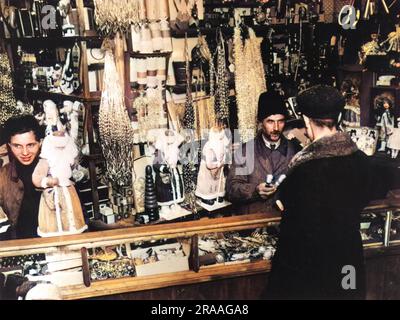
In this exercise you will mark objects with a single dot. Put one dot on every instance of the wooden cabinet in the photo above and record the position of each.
(217, 272)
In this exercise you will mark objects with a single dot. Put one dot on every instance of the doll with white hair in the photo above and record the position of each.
(211, 179)
(168, 180)
(52, 117)
(60, 211)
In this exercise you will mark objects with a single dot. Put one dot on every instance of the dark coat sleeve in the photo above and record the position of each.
(238, 187)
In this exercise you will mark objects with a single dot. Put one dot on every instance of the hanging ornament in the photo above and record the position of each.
(113, 16)
(116, 133)
(221, 83)
(249, 81)
(8, 105)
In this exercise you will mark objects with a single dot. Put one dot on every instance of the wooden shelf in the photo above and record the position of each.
(234, 4)
(109, 287)
(39, 94)
(139, 55)
(39, 42)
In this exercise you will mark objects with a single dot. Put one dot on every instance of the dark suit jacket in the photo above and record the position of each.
(250, 167)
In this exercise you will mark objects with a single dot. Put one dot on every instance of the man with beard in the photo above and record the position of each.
(267, 155)
(327, 186)
(19, 199)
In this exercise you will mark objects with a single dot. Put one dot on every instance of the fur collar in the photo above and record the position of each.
(337, 145)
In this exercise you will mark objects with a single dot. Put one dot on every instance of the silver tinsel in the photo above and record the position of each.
(116, 133)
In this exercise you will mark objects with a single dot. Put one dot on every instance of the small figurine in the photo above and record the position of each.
(394, 140)
(371, 48)
(211, 179)
(60, 211)
(386, 121)
(351, 114)
(169, 182)
(51, 117)
(150, 198)
(72, 110)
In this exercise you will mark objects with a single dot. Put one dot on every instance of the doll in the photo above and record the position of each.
(72, 110)
(211, 180)
(394, 140)
(60, 211)
(351, 113)
(168, 181)
(51, 117)
(386, 121)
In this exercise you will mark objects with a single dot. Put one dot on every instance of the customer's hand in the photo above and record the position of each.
(264, 191)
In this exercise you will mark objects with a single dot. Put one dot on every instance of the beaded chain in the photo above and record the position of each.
(116, 133)
(222, 87)
(189, 170)
(7, 99)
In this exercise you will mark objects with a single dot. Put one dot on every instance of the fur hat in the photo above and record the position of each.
(321, 102)
(270, 103)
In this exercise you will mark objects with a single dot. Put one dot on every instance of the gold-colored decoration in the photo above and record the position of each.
(8, 105)
(113, 16)
(249, 81)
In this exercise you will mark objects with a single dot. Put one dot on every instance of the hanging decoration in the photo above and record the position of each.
(115, 128)
(249, 81)
(189, 170)
(113, 16)
(219, 87)
(8, 105)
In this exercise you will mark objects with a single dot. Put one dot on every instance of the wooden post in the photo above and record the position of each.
(120, 58)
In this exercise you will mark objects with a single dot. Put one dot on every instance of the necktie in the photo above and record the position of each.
(272, 147)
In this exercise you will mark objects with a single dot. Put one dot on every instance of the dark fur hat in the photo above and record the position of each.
(321, 102)
(270, 103)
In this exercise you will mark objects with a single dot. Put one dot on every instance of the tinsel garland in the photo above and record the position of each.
(220, 87)
(149, 112)
(249, 81)
(189, 171)
(115, 128)
(113, 16)
(8, 103)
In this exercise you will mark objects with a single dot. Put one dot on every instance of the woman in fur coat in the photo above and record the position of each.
(319, 253)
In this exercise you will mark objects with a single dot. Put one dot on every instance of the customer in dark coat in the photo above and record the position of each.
(269, 153)
(326, 188)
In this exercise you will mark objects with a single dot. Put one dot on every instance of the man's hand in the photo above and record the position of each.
(264, 191)
(52, 182)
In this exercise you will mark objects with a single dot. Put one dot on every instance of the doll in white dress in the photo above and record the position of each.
(394, 140)
(211, 179)
(385, 121)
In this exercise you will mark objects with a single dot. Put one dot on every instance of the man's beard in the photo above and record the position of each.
(269, 135)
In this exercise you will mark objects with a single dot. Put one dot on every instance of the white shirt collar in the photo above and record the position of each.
(268, 143)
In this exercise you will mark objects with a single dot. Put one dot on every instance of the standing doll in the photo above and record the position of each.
(385, 122)
(211, 180)
(60, 211)
(169, 183)
(52, 117)
(394, 140)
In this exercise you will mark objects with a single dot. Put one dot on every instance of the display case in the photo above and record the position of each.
(193, 256)
(127, 260)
